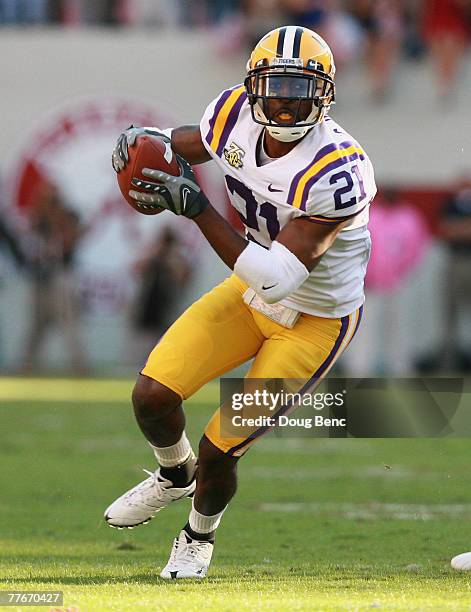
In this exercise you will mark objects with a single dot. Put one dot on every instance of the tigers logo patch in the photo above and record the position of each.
(234, 155)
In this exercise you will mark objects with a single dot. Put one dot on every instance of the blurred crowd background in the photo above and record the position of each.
(383, 28)
(419, 230)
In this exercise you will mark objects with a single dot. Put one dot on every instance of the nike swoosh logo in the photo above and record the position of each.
(273, 190)
(270, 287)
(185, 193)
(338, 131)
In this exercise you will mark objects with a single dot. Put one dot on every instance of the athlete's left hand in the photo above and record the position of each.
(180, 194)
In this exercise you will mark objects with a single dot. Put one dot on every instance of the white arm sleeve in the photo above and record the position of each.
(273, 273)
(167, 132)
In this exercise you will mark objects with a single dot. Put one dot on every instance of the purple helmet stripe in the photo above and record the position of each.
(297, 42)
(281, 42)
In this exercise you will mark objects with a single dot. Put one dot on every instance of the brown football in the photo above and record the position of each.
(147, 152)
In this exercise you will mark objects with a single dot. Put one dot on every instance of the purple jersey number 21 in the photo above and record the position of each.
(344, 175)
(266, 210)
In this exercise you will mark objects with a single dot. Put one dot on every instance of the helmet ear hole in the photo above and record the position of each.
(251, 97)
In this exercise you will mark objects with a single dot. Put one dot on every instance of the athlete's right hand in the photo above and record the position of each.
(120, 156)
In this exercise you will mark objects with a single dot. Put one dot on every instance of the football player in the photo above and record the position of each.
(302, 187)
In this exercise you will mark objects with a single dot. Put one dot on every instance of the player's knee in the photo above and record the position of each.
(150, 396)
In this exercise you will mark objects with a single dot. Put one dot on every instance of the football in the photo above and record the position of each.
(147, 152)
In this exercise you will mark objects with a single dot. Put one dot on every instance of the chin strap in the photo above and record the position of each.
(287, 134)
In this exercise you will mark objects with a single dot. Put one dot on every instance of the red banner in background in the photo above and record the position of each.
(71, 150)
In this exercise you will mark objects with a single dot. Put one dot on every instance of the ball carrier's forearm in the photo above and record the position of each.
(273, 273)
(227, 243)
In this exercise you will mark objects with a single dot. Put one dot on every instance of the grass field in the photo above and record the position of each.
(316, 525)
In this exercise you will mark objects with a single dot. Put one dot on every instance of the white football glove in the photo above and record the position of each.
(120, 156)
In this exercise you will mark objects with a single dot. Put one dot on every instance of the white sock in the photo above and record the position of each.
(200, 523)
(170, 456)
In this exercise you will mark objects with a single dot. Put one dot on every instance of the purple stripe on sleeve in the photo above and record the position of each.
(324, 151)
(217, 109)
(332, 166)
(321, 218)
(230, 123)
(319, 155)
(327, 221)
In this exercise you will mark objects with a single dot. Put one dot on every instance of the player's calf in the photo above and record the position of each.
(217, 478)
(161, 418)
(216, 484)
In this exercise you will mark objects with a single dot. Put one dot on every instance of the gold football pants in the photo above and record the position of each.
(219, 332)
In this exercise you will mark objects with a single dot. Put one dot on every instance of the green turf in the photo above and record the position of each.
(316, 525)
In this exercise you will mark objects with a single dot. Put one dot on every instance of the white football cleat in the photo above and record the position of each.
(189, 558)
(141, 503)
(462, 562)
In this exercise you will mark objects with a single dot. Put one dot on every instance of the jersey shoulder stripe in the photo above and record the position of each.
(332, 220)
(217, 109)
(329, 158)
(224, 117)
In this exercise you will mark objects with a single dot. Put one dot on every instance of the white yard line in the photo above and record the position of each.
(374, 510)
(329, 472)
(315, 446)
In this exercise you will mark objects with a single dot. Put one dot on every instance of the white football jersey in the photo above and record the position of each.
(326, 177)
